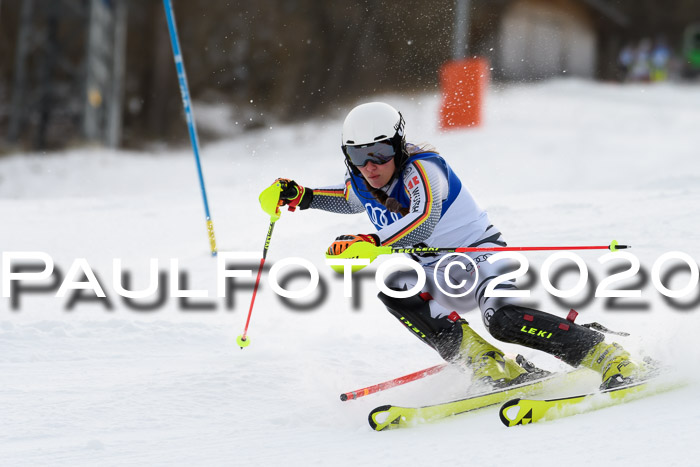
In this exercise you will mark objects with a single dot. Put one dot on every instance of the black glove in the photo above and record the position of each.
(294, 195)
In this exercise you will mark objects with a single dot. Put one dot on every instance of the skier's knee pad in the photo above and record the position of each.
(414, 312)
(543, 331)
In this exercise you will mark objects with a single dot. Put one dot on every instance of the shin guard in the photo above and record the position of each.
(414, 312)
(543, 331)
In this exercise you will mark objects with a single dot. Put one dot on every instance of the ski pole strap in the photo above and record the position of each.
(392, 383)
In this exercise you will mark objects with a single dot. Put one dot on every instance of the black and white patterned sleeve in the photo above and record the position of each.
(338, 198)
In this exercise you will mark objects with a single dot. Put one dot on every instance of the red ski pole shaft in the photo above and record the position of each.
(392, 383)
(242, 339)
(252, 301)
(614, 246)
(538, 248)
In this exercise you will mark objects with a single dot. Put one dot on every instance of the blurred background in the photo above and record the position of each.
(100, 72)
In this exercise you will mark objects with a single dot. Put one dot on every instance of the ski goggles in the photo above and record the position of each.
(378, 153)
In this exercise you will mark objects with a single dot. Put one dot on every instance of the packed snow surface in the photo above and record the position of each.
(559, 163)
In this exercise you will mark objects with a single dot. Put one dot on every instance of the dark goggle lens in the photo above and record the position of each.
(377, 153)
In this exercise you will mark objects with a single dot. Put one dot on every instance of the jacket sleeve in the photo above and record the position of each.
(338, 198)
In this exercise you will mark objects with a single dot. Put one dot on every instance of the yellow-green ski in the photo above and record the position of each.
(526, 411)
(389, 416)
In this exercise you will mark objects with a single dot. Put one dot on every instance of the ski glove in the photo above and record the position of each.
(344, 241)
(294, 195)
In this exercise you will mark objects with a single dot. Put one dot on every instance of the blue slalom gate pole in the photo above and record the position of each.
(185, 91)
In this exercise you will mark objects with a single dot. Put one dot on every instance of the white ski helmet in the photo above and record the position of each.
(369, 124)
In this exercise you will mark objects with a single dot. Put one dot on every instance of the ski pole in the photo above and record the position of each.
(270, 203)
(366, 250)
(243, 340)
(185, 92)
(392, 383)
(614, 246)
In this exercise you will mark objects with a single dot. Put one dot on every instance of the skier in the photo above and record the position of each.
(413, 198)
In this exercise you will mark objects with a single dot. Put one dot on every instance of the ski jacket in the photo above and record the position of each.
(443, 213)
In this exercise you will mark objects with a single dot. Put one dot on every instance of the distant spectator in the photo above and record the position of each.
(660, 58)
(625, 60)
(641, 67)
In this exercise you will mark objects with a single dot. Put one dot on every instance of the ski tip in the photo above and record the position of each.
(506, 417)
(379, 418)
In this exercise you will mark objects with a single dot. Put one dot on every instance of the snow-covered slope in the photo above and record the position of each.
(565, 162)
